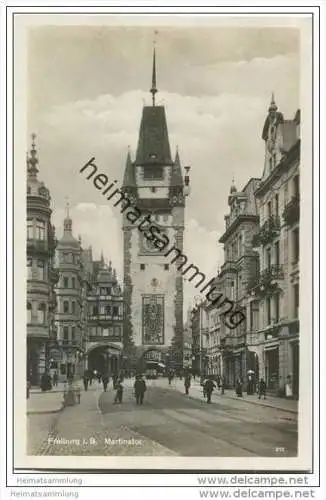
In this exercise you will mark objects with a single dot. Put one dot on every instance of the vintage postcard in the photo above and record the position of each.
(163, 171)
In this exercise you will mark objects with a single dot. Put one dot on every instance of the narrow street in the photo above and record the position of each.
(171, 423)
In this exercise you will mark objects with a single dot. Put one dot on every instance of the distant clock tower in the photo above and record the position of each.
(153, 288)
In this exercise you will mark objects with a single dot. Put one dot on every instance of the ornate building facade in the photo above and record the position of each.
(153, 288)
(41, 273)
(105, 320)
(238, 271)
(69, 314)
(277, 241)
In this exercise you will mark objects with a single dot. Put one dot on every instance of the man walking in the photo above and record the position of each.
(105, 380)
(209, 386)
(140, 389)
(119, 392)
(262, 389)
(85, 380)
(187, 383)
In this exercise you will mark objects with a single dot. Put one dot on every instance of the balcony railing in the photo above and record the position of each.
(41, 246)
(267, 281)
(267, 232)
(291, 213)
(228, 266)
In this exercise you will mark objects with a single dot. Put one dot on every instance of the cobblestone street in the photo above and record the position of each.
(169, 423)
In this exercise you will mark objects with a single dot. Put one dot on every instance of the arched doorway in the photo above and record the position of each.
(104, 359)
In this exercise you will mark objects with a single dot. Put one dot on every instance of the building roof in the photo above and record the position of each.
(153, 143)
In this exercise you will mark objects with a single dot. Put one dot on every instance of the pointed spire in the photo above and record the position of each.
(272, 106)
(67, 223)
(129, 179)
(102, 259)
(32, 160)
(176, 177)
(154, 89)
(177, 157)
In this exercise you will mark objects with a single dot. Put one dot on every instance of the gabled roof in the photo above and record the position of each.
(153, 143)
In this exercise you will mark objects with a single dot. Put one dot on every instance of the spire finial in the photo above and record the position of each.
(67, 207)
(272, 106)
(32, 161)
(154, 89)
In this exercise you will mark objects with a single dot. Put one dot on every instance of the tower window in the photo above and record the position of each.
(65, 282)
(73, 333)
(73, 307)
(115, 311)
(153, 189)
(73, 282)
(142, 267)
(65, 333)
(153, 172)
(166, 267)
(66, 306)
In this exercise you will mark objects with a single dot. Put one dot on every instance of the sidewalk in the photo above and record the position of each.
(196, 391)
(40, 402)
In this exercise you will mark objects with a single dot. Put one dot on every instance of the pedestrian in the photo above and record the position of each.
(238, 388)
(187, 383)
(85, 380)
(208, 387)
(119, 392)
(55, 379)
(140, 389)
(218, 381)
(262, 389)
(222, 385)
(170, 377)
(105, 380)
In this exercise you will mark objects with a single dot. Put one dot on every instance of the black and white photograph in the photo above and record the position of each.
(163, 174)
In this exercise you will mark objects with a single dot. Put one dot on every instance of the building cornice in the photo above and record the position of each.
(283, 166)
(236, 223)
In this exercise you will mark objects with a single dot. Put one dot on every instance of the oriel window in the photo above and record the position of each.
(40, 230)
(30, 229)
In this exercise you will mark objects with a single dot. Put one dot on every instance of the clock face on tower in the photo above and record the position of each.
(147, 242)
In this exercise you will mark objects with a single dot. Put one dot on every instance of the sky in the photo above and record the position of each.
(86, 89)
